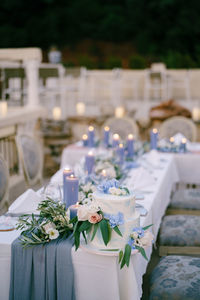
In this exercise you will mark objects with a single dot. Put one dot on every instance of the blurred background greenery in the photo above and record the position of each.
(106, 33)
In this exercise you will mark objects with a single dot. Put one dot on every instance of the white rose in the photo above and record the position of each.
(90, 196)
(147, 239)
(93, 208)
(113, 190)
(48, 226)
(86, 187)
(82, 213)
(53, 234)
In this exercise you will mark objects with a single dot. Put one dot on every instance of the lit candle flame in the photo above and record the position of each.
(171, 139)
(90, 153)
(184, 141)
(103, 173)
(121, 145)
(130, 136)
(155, 130)
(116, 136)
(106, 128)
(84, 137)
(91, 128)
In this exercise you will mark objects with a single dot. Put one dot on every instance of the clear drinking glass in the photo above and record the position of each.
(53, 191)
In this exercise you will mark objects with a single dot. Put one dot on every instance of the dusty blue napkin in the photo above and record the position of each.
(42, 272)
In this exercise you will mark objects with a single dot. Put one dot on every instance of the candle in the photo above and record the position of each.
(130, 146)
(73, 210)
(56, 113)
(120, 153)
(115, 141)
(119, 112)
(91, 136)
(66, 173)
(104, 173)
(89, 162)
(171, 140)
(71, 195)
(154, 138)
(183, 145)
(80, 108)
(3, 108)
(196, 114)
(85, 140)
(106, 135)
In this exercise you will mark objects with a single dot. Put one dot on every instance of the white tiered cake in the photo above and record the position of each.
(112, 205)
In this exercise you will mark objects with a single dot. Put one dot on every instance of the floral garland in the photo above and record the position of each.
(52, 222)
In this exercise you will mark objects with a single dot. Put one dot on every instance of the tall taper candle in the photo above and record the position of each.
(91, 136)
(120, 153)
(115, 141)
(85, 140)
(89, 162)
(183, 145)
(71, 196)
(154, 138)
(66, 173)
(106, 135)
(130, 146)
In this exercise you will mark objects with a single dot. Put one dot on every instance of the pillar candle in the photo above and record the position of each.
(171, 140)
(3, 108)
(115, 141)
(66, 173)
(130, 146)
(71, 196)
(73, 210)
(183, 145)
(154, 138)
(89, 162)
(85, 140)
(106, 135)
(120, 153)
(91, 136)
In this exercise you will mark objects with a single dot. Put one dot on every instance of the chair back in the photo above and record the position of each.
(178, 125)
(4, 180)
(122, 126)
(30, 155)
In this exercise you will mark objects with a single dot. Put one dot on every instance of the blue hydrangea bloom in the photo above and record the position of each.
(139, 231)
(115, 220)
(131, 243)
(107, 184)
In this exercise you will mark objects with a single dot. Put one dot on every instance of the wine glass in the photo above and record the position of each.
(53, 191)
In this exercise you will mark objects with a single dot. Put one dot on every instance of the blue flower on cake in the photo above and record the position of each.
(107, 184)
(115, 220)
(140, 238)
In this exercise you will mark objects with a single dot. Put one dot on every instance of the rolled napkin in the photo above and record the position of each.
(27, 203)
(140, 179)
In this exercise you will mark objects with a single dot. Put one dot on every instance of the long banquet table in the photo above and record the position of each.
(99, 277)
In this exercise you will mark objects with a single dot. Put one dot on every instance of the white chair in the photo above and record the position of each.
(178, 124)
(156, 82)
(31, 157)
(122, 126)
(4, 183)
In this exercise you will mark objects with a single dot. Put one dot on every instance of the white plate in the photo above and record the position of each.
(91, 249)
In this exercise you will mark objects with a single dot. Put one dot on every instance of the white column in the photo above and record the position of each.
(31, 67)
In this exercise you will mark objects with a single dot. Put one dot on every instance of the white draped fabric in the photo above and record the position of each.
(99, 277)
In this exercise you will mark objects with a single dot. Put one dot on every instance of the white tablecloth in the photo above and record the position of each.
(99, 277)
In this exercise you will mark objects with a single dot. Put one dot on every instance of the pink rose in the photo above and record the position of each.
(95, 218)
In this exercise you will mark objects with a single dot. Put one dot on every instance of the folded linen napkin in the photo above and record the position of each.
(140, 179)
(27, 203)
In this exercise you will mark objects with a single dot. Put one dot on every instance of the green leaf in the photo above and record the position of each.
(142, 251)
(146, 227)
(77, 240)
(121, 253)
(36, 237)
(127, 254)
(83, 233)
(104, 231)
(95, 227)
(84, 226)
(116, 229)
